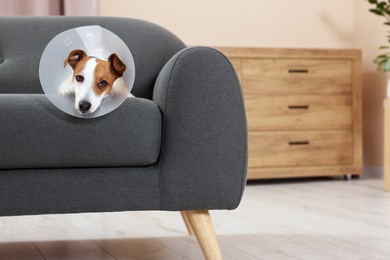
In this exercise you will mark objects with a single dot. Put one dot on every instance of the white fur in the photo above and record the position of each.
(84, 90)
(67, 88)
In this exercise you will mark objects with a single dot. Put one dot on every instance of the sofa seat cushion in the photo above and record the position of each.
(35, 134)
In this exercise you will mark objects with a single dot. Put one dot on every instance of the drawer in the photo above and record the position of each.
(293, 76)
(299, 112)
(304, 148)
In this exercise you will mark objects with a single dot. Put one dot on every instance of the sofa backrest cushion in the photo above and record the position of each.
(23, 39)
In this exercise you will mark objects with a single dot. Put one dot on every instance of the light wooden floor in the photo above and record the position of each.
(312, 219)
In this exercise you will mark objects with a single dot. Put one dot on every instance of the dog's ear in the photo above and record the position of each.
(117, 66)
(74, 57)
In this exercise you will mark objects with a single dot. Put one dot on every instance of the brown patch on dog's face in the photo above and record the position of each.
(106, 72)
(77, 60)
(79, 66)
(103, 77)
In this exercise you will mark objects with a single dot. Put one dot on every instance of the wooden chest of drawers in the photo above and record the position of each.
(304, 110)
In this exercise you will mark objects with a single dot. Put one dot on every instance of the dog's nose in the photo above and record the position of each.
(84, 106)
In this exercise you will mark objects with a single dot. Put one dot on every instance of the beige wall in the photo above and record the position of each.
(370, 33)
(278, 23)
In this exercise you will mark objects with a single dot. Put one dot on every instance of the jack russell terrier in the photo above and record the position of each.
(93, 80)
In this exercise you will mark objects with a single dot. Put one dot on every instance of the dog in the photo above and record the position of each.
(93, 79)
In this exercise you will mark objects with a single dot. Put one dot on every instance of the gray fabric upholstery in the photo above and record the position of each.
(23, 39)
(204, 151)
(38, 135)
(193, 128)
(48, 191)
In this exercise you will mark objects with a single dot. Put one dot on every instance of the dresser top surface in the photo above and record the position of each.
(252, 52)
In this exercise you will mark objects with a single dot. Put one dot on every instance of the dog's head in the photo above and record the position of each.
(92, 78)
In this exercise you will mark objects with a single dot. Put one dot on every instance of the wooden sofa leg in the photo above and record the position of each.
(204, 231)
(187, 223)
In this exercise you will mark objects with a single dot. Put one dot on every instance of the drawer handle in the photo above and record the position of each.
(299, 107)
(298, 143)
(298, 71)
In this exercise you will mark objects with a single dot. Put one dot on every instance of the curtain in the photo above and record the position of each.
(50, 7)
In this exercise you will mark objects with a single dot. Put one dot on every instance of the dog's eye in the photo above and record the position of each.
(102, 84)
(79, 78)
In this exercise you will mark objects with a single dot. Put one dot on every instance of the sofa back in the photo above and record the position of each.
(23, 39)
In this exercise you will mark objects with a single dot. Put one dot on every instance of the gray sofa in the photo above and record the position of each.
(180, 145)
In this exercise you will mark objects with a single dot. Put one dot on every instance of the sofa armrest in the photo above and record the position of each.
(203, 160)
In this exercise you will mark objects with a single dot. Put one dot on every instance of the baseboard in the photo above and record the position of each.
(370, 172)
